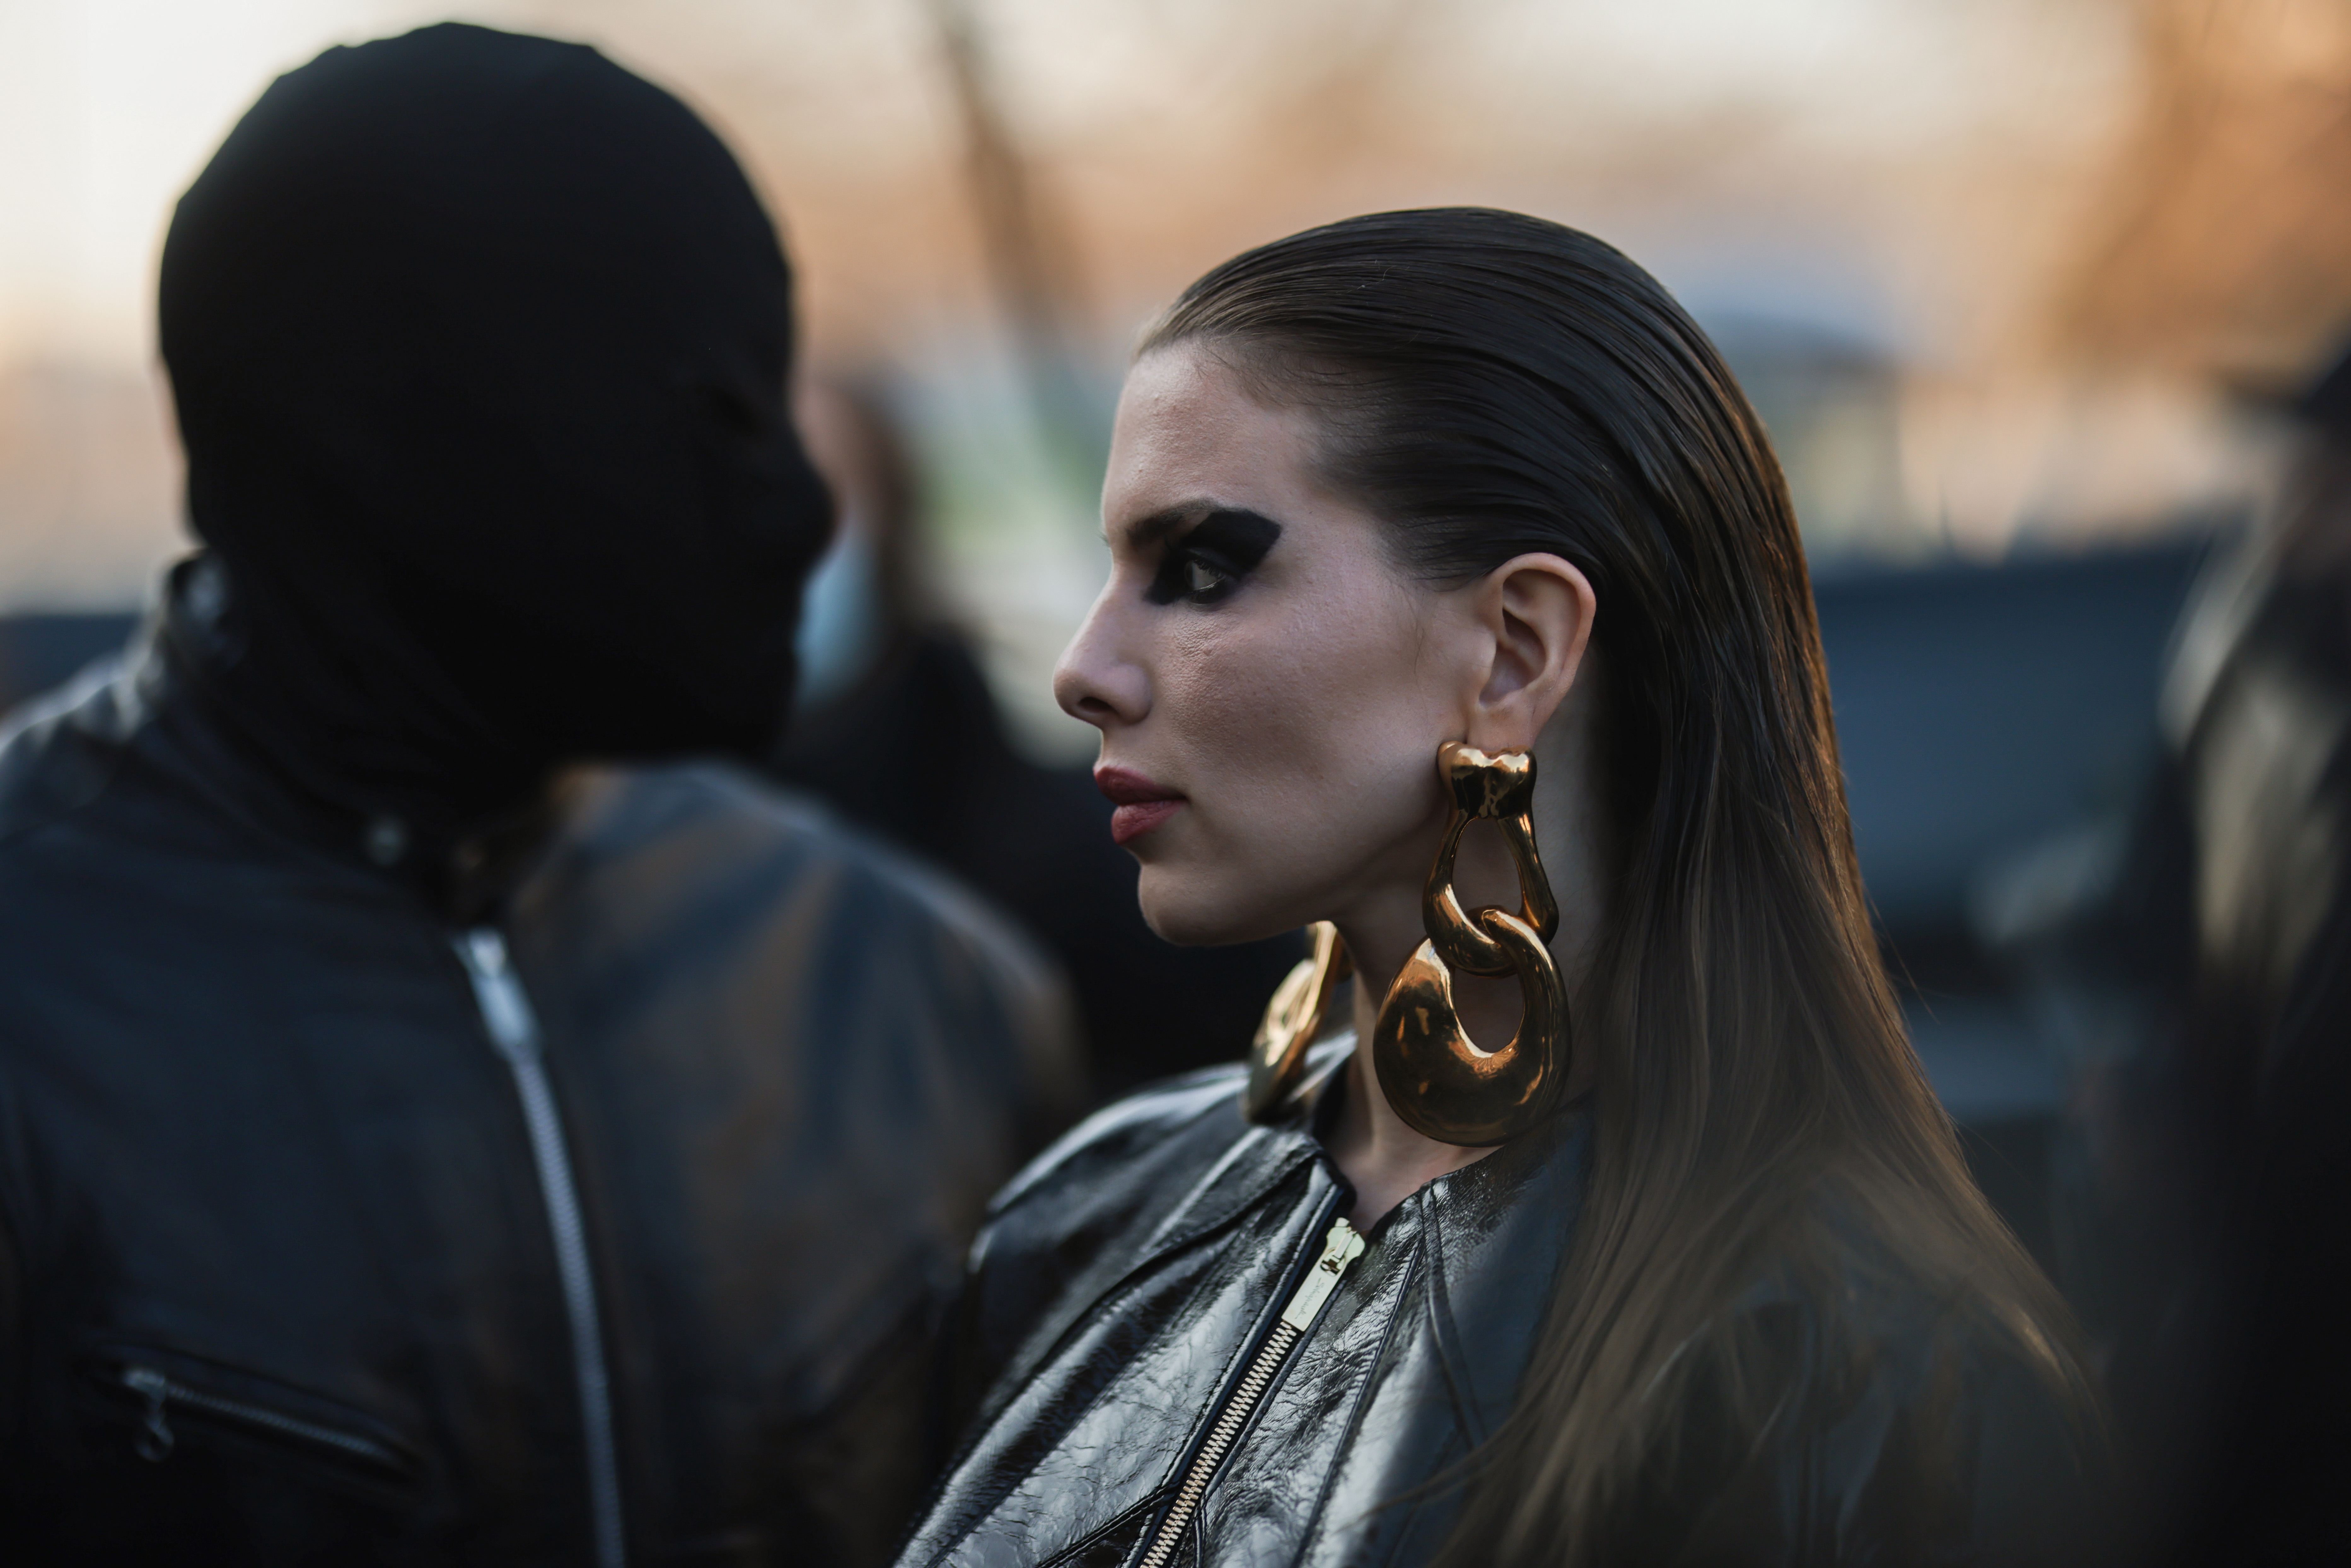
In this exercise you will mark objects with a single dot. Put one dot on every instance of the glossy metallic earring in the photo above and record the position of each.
(1292, 1020)
(1441, 1084)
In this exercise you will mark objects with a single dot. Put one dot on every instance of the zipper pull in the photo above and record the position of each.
(1340, 1248)
(154, 1444)
(506, 1011)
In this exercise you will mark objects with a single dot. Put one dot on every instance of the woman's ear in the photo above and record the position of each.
(1538, 610)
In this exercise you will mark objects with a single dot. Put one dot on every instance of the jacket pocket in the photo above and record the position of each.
(173, 1397)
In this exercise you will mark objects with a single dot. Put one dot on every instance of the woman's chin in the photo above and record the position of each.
(1182, 911)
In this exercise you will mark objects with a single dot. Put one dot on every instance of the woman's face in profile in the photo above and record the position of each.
(1271, 689)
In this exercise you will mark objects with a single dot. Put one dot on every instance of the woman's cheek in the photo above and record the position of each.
(1230, 684)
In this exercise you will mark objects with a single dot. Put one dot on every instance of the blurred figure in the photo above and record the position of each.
(413, 1148)
(2259, 700)
(2204, 970)
(876, 669)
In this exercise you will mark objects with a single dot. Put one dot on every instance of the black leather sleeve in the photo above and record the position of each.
(1060, 1222)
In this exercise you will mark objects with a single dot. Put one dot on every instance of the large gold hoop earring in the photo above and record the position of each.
(1434, 1077)
(1292, 1020)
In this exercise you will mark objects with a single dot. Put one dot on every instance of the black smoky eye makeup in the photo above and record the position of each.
(1210, 559)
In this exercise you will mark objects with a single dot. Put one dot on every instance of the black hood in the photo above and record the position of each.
(479, 345)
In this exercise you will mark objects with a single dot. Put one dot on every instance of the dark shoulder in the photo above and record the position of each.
(1100, 1195)
(718, 848)
(1100, 1173)
(59, 751)
(1868, 1419)
(657, 821)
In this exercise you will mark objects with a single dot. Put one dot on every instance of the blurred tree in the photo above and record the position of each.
(2225, 249)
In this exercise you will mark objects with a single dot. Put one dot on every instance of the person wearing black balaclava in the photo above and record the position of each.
(417, 1143)
(482, 383)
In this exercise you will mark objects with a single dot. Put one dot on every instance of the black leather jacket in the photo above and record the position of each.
(599, 1227)
(1121, 1314)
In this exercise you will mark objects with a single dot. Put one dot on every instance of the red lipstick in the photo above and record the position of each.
(1142, 805)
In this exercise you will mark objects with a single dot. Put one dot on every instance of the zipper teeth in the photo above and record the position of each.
(154, 1386)
(514, 1030)
(1220, 1439)
(1340, 1246)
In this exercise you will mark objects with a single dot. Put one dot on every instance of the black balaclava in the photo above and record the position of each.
(479, 344)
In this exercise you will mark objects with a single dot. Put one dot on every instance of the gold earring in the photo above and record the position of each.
(1292, 1020)
(1441, 1084)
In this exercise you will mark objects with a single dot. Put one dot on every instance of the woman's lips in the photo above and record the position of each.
(1142, 805)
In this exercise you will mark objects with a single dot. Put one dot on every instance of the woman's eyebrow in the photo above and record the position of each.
(1150, 530)
(1237, 532)
(1155, 528)
(1167, 520)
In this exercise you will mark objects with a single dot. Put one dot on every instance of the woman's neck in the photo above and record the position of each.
(1385, 1159)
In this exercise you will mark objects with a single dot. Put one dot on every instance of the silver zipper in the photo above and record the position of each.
(1341, 1247)
(156, 1437)
(514, 1029)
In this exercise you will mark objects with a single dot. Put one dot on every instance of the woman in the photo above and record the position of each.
(1689, 1271)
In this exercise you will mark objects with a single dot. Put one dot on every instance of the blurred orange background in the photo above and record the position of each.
(1997, 272)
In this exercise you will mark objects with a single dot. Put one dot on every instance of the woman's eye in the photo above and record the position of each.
(1208, 564)
(1202, 580)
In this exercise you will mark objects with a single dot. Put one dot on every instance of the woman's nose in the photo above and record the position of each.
(1093, 680)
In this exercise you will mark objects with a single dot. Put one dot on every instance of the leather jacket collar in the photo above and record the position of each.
(1126, 1284)
(193, 729)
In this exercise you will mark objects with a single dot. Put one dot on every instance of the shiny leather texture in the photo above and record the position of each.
(1123, 1282)
(254, 1138)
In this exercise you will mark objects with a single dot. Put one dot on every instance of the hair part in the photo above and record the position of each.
(1490, 385)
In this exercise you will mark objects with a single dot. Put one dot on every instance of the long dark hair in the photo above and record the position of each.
(1490, 384)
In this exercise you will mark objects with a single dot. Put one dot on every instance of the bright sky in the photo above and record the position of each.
(109, 107)
(1912, 171)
